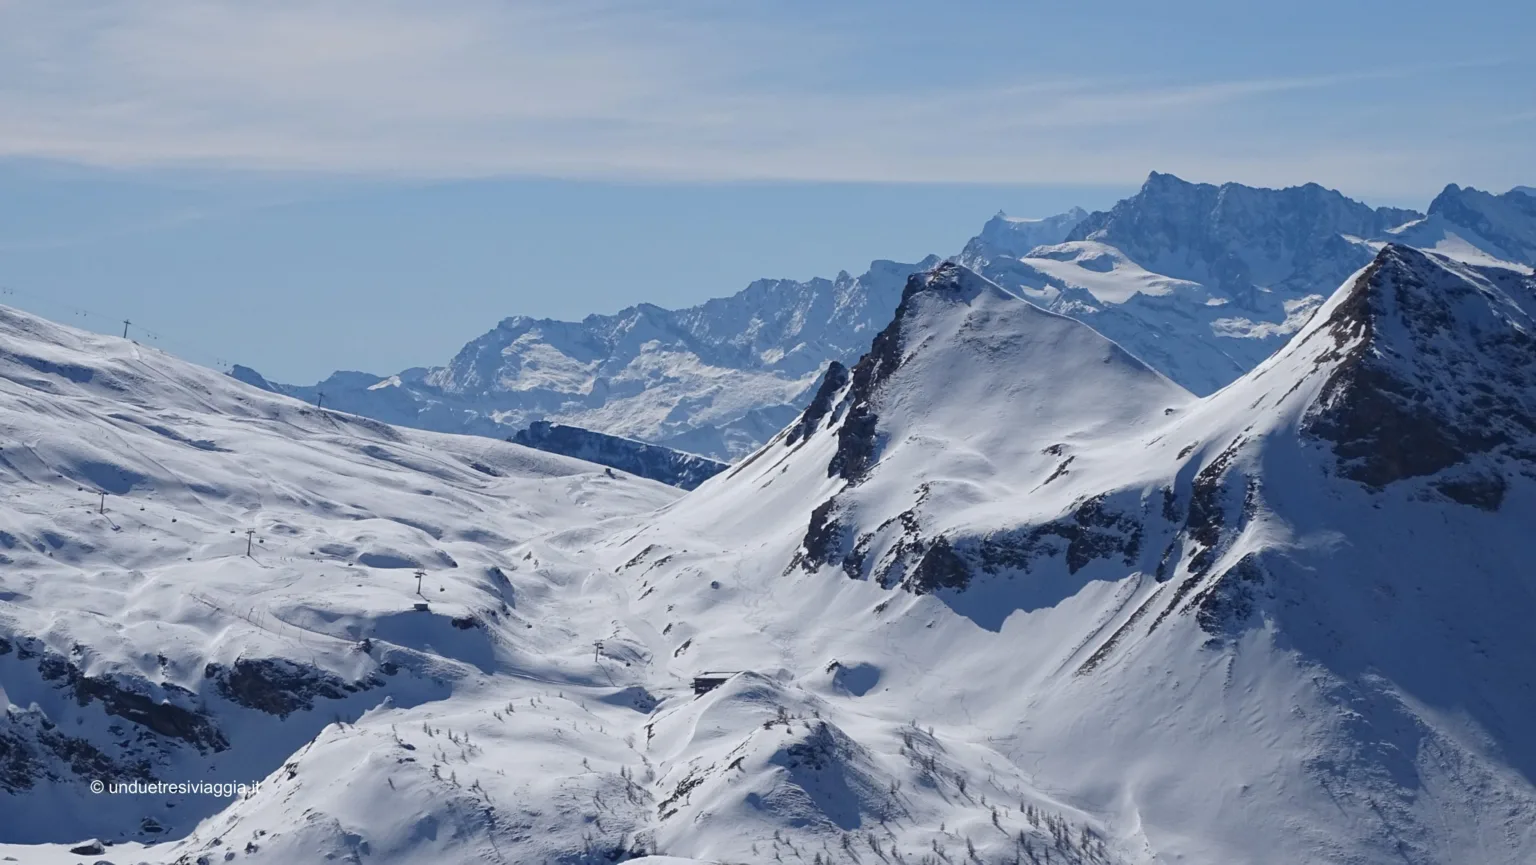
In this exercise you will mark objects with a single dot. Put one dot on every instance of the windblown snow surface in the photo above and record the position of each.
(1002, 593)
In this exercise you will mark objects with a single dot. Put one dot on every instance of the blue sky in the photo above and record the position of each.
(302, 186)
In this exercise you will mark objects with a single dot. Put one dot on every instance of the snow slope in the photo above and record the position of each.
(140, 642)
(1283, 623)
(1015, 236)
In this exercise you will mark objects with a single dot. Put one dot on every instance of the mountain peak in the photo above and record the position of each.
(1431, 369)
(956, 343)
(951, 281)
(1504, 226)
(1005, 236)
(1163, 180)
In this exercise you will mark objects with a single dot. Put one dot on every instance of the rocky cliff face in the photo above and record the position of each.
(1435, 375)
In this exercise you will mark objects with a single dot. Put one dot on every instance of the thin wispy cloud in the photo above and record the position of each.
(603, 88)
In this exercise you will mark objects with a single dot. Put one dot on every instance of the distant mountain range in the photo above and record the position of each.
(1201, 282)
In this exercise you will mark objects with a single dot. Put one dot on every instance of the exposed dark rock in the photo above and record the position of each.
(1207, 516)
(30, 746)
(639, 557)
(1090, 532)
(1093, 661)
(1171, 511)
(125, 698)
(1060, 470)
(853, 562)
(819, 749)
(1484, 491)
(1230, 600)
(835, 379)
(940, 567)
(1431, 368)
(856, 445)
(278, 686)
(823, 538)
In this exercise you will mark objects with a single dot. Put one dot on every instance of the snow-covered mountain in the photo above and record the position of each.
(654, 462)
(1009, 577)
(1015, 236)
(1477, 226)
(1202, 282)
(715, 379)
(1002, 592)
